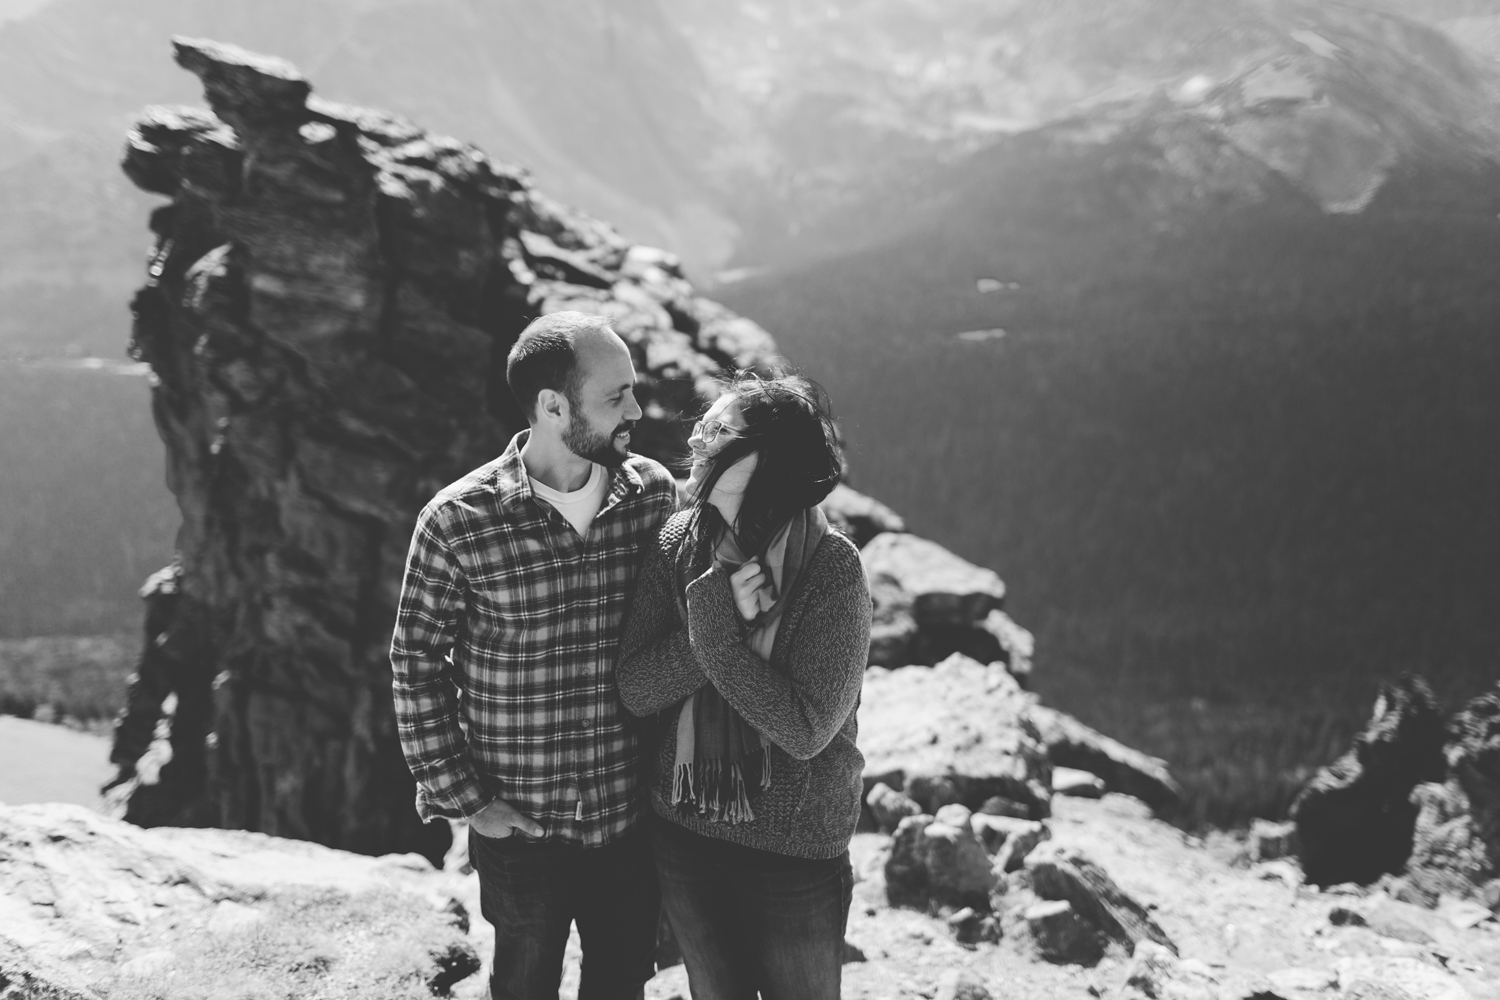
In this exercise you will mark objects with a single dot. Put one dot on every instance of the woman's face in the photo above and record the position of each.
(723, 422)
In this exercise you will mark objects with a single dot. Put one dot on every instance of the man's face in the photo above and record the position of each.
(604, 410)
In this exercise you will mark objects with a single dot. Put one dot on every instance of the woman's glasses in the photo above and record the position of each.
(711, 431)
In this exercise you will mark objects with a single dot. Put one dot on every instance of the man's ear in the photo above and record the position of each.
(551, 405)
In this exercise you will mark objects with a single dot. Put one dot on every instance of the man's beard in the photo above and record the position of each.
(583, 441)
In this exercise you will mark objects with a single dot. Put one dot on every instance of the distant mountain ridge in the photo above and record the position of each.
(867, 100)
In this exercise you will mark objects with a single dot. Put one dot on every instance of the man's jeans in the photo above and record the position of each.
(750, 920)
(532, 893)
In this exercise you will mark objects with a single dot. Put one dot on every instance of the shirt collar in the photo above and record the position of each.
(513, 484)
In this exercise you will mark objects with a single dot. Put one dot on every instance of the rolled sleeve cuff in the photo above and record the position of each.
(462, 797)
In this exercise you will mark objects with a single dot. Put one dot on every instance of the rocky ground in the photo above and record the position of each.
(102, 909)
(1242, 930)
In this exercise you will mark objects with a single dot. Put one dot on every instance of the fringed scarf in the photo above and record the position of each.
(720, 756)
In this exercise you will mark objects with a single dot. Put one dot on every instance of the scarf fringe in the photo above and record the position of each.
(704, 787)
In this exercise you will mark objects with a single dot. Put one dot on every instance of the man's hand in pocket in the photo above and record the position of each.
(500, 819)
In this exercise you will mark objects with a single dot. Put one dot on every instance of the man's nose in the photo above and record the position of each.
(633, 411)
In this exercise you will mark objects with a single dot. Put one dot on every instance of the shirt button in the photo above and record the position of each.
(586, 724)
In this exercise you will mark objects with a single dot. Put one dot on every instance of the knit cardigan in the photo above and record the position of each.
(802, 702)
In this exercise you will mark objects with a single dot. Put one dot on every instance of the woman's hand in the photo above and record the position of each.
(752, 590)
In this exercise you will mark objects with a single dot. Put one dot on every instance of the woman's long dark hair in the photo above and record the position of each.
(789, 424)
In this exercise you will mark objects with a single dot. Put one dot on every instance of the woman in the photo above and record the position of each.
(748, 637)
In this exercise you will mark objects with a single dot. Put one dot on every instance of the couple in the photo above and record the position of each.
(638, 703)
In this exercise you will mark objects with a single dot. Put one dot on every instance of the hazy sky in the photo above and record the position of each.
(12, 9)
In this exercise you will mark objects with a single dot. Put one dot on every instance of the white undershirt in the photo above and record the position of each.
(580, 506)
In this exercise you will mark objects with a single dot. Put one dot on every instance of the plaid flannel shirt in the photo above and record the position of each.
(505, 645)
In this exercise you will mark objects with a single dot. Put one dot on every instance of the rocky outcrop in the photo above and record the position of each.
(91, 906)
(326, 318)
(973, 741)
(1355, 818)
(1456, 839)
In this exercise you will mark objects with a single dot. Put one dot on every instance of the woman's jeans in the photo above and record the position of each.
(749, 920)
(532, 892)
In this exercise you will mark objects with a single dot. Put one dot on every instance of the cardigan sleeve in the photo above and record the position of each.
(656, 669)
(802, 707)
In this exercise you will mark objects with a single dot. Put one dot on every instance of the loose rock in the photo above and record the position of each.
(890, 807)
(1008, 840)
(1412, 977)
(1079, 784)
(1019, 845)
(961, 984)
(934, 864)
(1269, 841)
(999, 805)
(1061, 935)
(1070, 743)
(1060, 872)
(1155, 972)
(1286, 980)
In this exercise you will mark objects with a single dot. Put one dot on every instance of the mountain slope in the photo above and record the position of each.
(1231, 426)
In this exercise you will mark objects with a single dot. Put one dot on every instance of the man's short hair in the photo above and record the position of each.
(545, 356)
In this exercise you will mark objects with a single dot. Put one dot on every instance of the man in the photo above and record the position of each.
(504, 655)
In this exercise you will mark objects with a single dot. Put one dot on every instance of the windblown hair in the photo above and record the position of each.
(789, 425)
(545, 356)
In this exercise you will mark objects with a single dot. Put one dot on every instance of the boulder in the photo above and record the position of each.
(1060, 934)
(1070, 743)
(936, 865)
(960, 732)
(85, 900)
(889, 807)
(1355, 818)
(930, 603)
(945, 589)
(905, 868)
(958, 870)
(1056, 871)
(858, 516)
